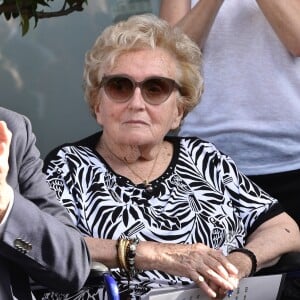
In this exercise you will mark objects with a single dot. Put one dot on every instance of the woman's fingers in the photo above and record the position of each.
(205, 286)
(222, 264)
(218, 269)
(219, 280)
(213, 284)
(214, 274)
(220, 293)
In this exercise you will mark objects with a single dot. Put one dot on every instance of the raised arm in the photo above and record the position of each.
(196, 22)
(5, 189)
(283, 16)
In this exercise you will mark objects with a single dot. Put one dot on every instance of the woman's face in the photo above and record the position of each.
(137, 122)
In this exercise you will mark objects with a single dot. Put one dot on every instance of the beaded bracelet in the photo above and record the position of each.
(130, 257)
(251, 255)
(126, 252)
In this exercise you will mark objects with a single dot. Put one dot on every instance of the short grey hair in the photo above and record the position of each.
(144, 32)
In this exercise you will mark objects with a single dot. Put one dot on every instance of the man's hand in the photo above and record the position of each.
(5, 189)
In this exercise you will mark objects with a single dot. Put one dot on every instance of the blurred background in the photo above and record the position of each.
(41, 72)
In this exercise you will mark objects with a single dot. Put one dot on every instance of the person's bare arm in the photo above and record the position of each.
(174, 10)
(284, 17)
(195, 22)
(268, 242)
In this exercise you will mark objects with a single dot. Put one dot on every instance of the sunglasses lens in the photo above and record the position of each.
(119, 89)
(157, 90)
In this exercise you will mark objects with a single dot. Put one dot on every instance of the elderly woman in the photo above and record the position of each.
(161, 210)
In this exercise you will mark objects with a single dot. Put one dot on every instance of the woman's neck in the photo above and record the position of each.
(139, 164)
(128, 153)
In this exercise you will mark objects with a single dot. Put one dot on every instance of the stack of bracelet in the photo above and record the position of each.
(126, 251)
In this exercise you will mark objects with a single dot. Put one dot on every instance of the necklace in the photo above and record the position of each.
(145, 181)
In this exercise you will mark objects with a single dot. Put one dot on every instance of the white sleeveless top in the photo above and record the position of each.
(250, 108)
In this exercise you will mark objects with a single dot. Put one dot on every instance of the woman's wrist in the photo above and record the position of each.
(126, 253)
(251, 256)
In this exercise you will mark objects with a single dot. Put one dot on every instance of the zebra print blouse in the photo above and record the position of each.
(201, 197)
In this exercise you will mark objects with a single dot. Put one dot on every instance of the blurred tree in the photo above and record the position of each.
(28, 9)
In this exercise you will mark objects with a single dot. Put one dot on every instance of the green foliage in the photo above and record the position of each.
(26, 10)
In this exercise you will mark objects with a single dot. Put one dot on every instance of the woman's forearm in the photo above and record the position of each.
(103, 250)
(275, 237)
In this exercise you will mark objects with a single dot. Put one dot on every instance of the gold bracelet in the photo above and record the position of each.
(121, 251)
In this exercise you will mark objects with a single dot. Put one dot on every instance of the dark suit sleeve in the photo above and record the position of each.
(39, 235)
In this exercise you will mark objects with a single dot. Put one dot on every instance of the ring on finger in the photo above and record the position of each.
(201, 278)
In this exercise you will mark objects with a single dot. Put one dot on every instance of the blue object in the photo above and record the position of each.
(111, 287)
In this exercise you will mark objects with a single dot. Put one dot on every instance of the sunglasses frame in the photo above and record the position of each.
(171, 83)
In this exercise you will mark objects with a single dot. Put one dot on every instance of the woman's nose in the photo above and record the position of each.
(137, 99)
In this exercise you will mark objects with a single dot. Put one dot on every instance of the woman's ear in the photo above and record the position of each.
(178, 115)
(97, 108)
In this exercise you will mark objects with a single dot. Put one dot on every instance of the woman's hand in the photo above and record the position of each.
(207, 267)
(244, 266)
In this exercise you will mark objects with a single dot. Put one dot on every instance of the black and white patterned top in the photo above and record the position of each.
(201, 197)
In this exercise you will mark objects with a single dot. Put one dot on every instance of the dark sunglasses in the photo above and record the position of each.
(155, 90)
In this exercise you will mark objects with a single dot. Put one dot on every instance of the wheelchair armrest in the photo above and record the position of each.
(100, 276)
(96, 276)
(288, 263)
